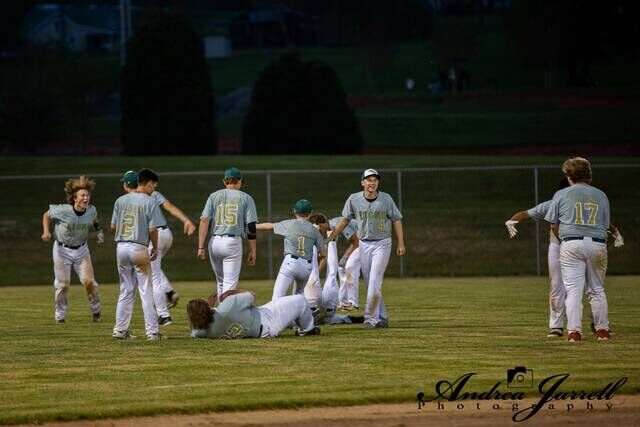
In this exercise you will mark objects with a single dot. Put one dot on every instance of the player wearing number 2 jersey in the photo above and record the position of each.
(135, 220)
(300, 236)
(232, 214)
(579, 216)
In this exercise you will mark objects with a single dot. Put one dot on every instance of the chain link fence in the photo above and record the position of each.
(453, 218)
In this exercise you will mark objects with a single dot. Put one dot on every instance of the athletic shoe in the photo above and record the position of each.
(59, 321)
(574, 336)
(97, 317)
(156, 337)
(367, 325)
(172, 299)
(318, 314)
(314, 331)
(164, 321)
(602, 334)
(123, 335)
(554, 332)
(382, 323)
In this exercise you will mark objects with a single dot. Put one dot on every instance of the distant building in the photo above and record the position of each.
(80, 29)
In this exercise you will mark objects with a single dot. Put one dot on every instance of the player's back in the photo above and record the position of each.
(582, 210)
(133, 214)
(231, 211)
(300, 236)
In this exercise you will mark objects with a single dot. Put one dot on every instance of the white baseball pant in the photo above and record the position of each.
(63, 259)
(292, 271)
(225, 254)
(374, 257)
(313, 288)
(280, 314)
(161, 284)
(584, 264)
(330, 288)
(557, 292)
(349, 292)
(134, 270)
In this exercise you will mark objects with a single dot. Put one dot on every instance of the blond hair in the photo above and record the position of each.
(578, 169)
(72, 186)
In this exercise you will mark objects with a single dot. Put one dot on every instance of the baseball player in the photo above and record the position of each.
(72, 223)
(579, 217)
(375, 213)
(324, 299)
(237, 316)
(348, 267)
(135, 219)
(164, 295)
(300, 236)
(234, 216)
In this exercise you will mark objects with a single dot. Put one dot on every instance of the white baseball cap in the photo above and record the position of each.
(370, 172)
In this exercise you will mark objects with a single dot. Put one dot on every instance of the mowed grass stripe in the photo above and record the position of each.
(440, 329)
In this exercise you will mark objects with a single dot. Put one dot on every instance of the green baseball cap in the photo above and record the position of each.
(130, 177)
(233, 173)
(302, 206)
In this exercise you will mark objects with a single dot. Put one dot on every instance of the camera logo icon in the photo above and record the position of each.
(519, 377)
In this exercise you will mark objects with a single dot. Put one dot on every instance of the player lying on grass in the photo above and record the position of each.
(72, 222)
(236, 316)
(300, 237)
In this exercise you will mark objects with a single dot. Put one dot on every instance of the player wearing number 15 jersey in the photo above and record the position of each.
(234, 216)
(579, 216)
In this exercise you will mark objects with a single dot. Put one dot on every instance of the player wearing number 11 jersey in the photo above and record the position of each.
(232, 214)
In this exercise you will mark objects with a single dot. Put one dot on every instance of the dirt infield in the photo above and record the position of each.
(620, 411)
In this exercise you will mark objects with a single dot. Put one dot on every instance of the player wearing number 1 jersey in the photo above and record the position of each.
(579, 216)
(232, 214)
(300, 236)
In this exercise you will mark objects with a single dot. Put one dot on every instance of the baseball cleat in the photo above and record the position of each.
(156, 337)
(602, 334)
(97, 317)
(164, 321)
(574, 336)
(123, 335)
(59, 321)
(314, 331)
(368, 325)
(172, 299)
(554, 332)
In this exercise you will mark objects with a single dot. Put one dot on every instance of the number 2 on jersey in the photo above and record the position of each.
(128, 223)
(227, 215)
(590, 208)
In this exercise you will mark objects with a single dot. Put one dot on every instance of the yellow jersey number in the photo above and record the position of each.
(300, 246)
(227, 215)
(591, 209)
(128, 224)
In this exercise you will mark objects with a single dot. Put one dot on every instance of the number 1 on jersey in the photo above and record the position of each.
(301, 246)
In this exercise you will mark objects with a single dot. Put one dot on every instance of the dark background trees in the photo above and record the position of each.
(167, 97)
(299, 107)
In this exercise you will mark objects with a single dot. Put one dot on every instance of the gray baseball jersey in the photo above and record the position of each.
(373, 218)
(134, 214)
(539, 211)
(235, 317)
(230, 211)
(349, 230)
(69, 227)
(580, 210)
(300, 236)
(160, 199)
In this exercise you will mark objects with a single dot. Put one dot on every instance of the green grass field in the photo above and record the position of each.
(440, 329)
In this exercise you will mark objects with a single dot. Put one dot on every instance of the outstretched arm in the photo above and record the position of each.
(265, 226)
(615, 232)
(336, 231)
(175, 211)
(516, 218)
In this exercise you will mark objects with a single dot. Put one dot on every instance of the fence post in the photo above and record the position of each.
(399, 180)
(269, 235)
(536, 198)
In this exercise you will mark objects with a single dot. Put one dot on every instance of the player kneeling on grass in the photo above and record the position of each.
(237, 317)
(71, 225)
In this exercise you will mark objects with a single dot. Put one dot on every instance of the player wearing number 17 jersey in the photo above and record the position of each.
(234, 216)
(579, 216)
